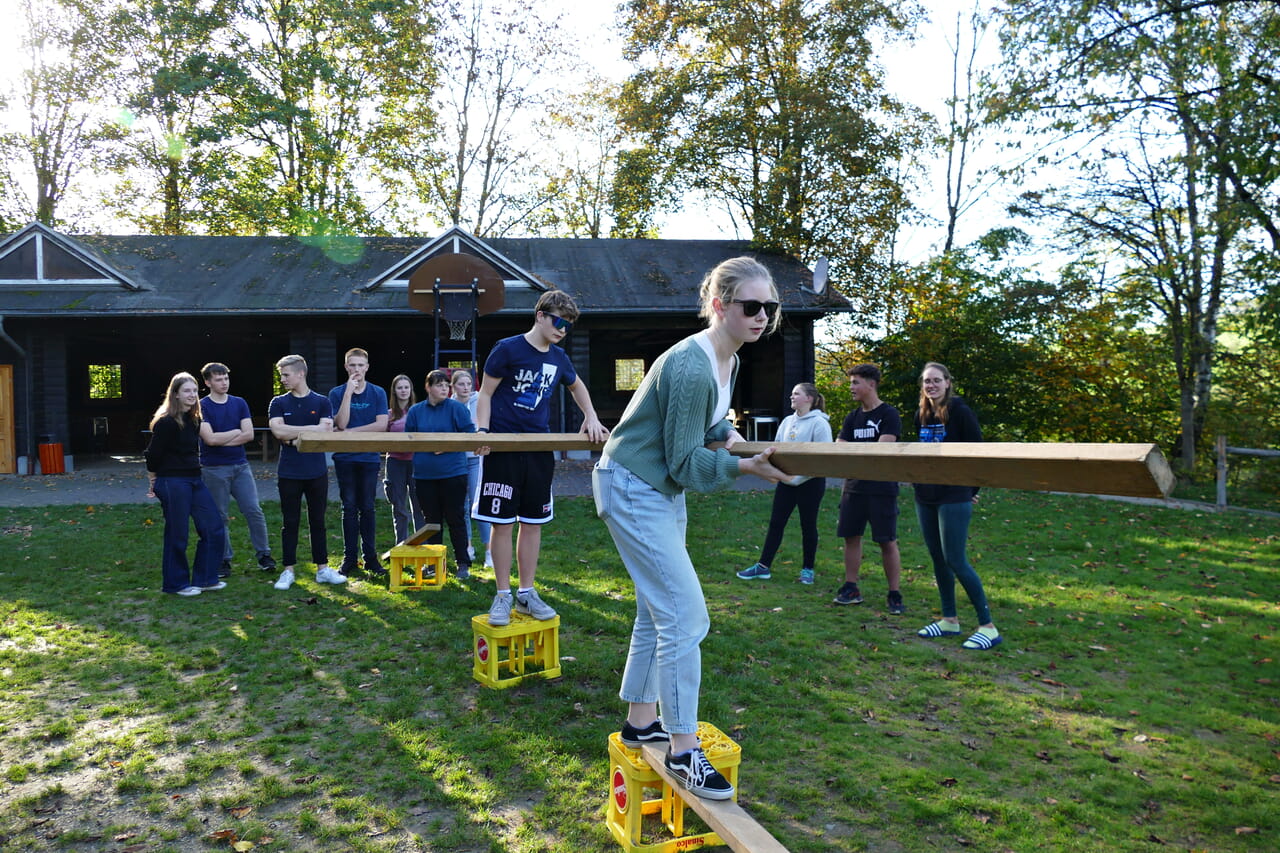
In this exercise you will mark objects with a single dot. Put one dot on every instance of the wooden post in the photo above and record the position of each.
(1222, 471)
(729, 820)
(1111, 469)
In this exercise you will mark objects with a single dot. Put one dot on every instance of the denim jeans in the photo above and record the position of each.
(664, 663)
(397, 485)
(473, 492)
(187, 499)
(945, 528)
(358, 488)
(316, 491)
(236, 481)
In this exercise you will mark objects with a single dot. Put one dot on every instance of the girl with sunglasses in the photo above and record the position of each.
(658, 450)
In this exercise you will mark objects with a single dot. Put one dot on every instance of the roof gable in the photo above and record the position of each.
(38, 255)
(457, 240)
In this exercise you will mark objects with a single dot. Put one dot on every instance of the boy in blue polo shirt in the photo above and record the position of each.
(515, 396)
(358, 407)
(225, 428)
(300, 475)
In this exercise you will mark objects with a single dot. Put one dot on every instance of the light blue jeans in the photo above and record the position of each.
(664, 663)
(236, 481)
(945, 528)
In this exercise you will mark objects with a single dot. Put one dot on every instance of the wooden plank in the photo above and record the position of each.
(422, 534)
(729, 820)
(1137, 470)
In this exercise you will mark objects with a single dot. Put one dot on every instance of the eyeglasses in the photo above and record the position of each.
(560, 323)
(752, 307)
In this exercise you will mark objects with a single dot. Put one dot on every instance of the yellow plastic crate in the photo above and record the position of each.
(417, 567)
(527, 648)
(630, 777)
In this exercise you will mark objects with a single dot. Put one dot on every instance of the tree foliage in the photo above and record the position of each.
(1156, 102)
(776, 109)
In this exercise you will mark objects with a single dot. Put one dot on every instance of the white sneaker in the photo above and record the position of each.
(286, 579)
(500, 610)
(488, 559)
(187, 591)
(330, 575)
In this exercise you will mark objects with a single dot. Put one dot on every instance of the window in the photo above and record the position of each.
(627, 373)
(106, 382)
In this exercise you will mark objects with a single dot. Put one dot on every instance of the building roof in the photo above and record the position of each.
(43, 272)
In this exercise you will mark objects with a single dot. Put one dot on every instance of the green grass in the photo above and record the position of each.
(1133, 705)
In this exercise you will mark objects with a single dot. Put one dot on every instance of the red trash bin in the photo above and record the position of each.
(51, 461)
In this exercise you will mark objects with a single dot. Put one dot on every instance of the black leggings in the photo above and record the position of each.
(807, 496)
(446, 500)
(316, 492)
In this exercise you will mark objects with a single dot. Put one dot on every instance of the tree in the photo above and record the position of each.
(1169, 93)
(66, 64)
(478, 168)
(176, 55)
(775, 108)
(586, 143)
(314, 78)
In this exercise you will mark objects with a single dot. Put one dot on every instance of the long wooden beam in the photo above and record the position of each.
(1137, 470)
(728, 819)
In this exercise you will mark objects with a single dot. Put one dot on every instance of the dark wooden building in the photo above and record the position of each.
(93, 327)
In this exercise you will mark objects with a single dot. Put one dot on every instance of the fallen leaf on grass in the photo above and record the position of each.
(1045, 757)
(125, 836)
(1275, 778)
(240, 811)
(223, 835)
(242, 846)
(1246, 830)
(305, 780)
(1052, 683)
(1140, 738)
(970, 742)
(1100, 648)
(949, 782)
(1112, 758)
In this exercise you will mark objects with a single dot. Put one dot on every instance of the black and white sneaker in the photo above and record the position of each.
(694, 770)
(652, 733)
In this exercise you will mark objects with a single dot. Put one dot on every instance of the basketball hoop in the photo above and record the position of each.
(458, 329)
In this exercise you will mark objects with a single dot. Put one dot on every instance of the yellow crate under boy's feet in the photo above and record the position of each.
(417, 567)
(526, 648)
(630, 776)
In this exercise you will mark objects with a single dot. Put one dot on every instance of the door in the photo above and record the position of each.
(8, 460)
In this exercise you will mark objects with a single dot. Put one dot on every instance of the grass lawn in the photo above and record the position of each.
(1134, 705)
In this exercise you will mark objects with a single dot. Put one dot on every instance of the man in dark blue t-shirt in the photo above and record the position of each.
(301, 475)
(873, 502)
(225, 429)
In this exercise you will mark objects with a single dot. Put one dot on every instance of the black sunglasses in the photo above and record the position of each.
(560, 323)
(752, 307)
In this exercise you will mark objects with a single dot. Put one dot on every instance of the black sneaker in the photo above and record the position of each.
(694, 770)
(652, 733)
(463, 573)
(848, 594)
(266, 562)
(224, 571)
(896, 607)
(373, 568)
(350, 570)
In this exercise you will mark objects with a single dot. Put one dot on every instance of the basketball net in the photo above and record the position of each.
(458, 329)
